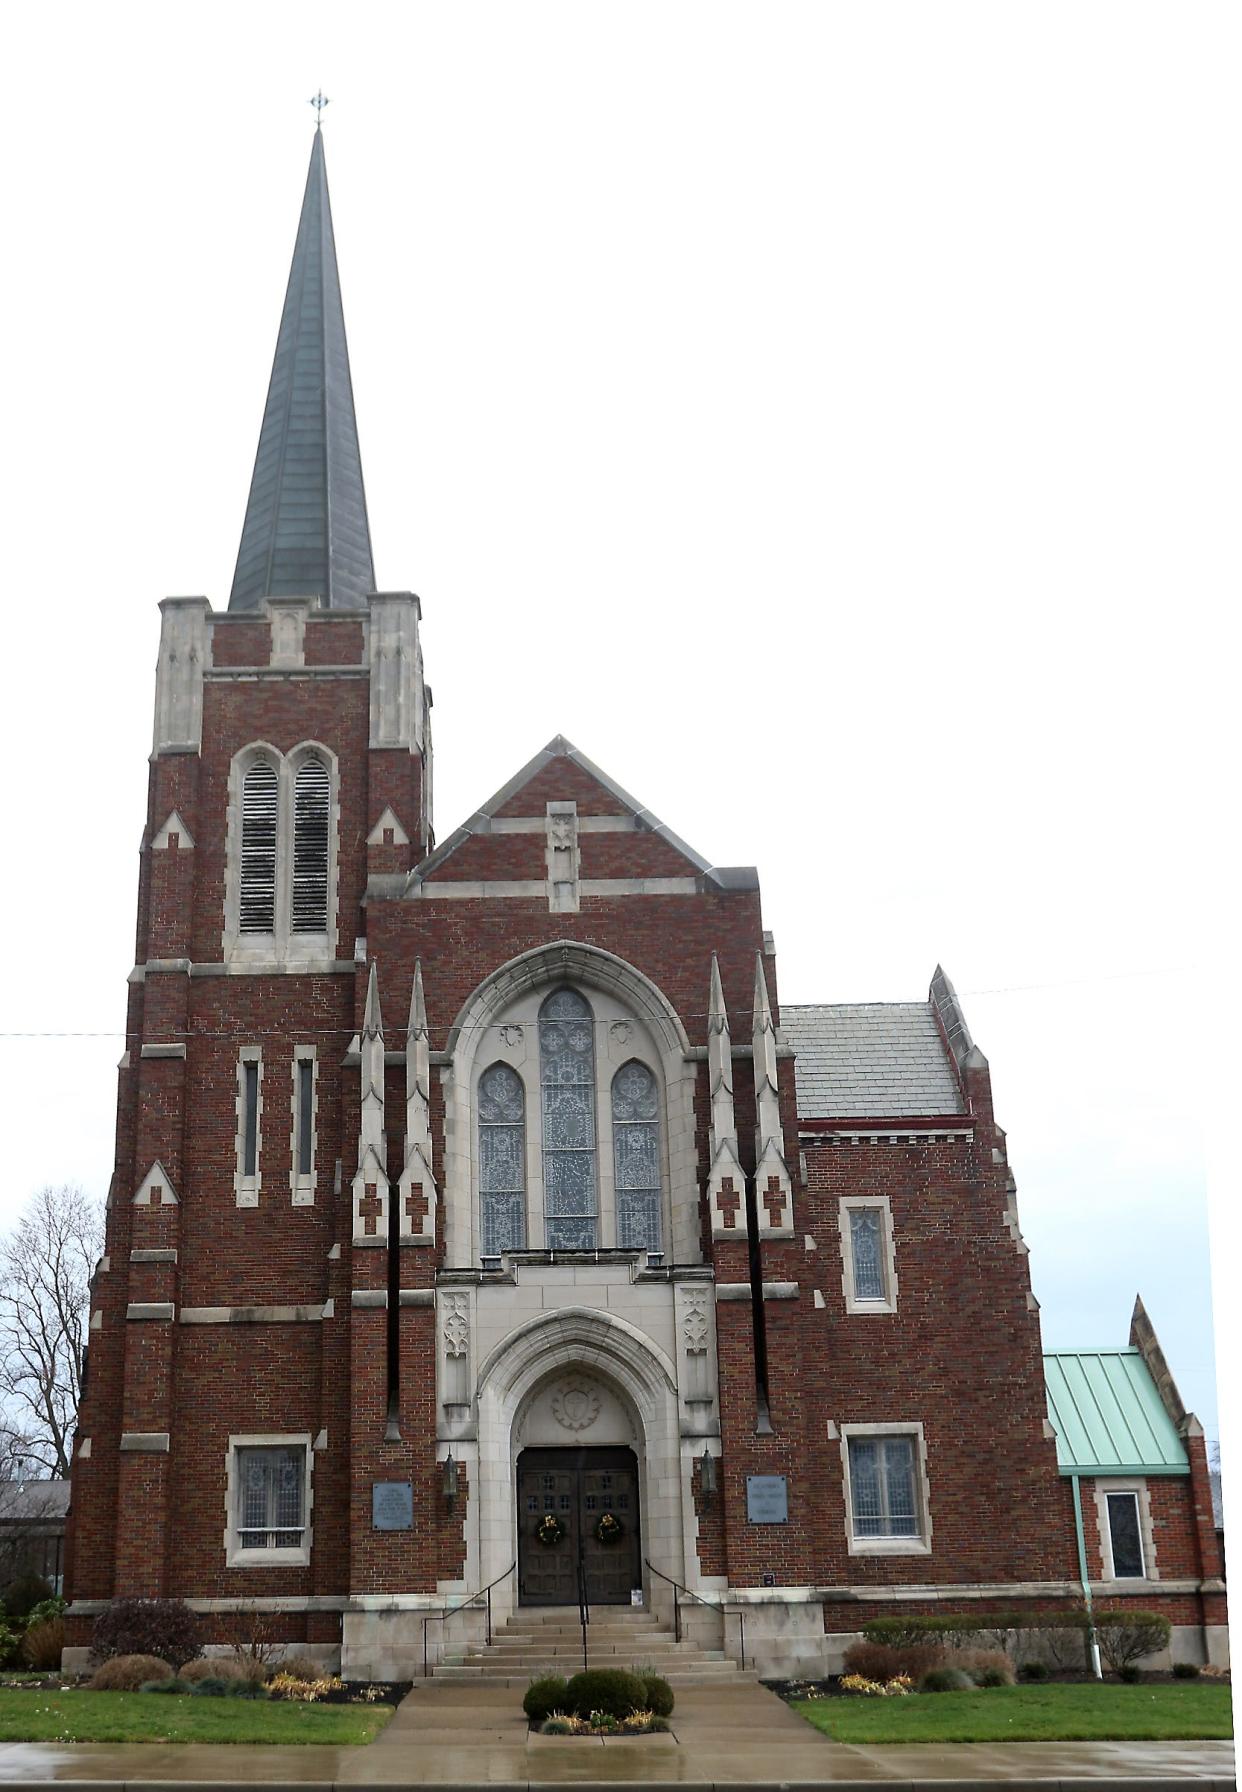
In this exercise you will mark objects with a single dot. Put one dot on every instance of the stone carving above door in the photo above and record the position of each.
(575, 1405)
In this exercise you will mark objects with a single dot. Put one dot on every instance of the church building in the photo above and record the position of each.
(484, 1222)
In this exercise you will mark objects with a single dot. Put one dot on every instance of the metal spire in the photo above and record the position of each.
(306, 532)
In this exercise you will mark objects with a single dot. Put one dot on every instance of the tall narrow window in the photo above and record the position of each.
(306, 1109)
(882, 1486)
(247, 1179)
(311, 807)
(502, 1161)
(636, 1157)
(1125, 1536)
(302, 1152)
(866, 1244)
(260, 795)
(567, 1082)
(250, 1118)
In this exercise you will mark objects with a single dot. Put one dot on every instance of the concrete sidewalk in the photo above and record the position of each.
(450, 1735)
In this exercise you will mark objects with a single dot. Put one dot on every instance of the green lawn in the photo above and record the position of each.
(1178, 1710)
(73, 1716)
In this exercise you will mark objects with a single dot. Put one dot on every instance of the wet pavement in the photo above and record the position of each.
(454, 1735)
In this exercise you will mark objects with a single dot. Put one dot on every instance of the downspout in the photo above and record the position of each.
(1085, 1579)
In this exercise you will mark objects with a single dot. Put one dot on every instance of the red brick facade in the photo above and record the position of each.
(186, 1346)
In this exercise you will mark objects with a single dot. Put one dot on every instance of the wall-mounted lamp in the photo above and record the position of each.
(450, 1481)
(707, 1475)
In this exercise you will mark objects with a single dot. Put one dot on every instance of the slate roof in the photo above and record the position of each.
(32, 1502)
(1108, 1415)
(306, 532)
(869, 1060)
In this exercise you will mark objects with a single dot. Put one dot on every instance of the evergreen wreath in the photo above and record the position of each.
(549, 1530)
(609, 1530)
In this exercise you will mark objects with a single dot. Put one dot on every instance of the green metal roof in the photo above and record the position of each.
(1108, 1415)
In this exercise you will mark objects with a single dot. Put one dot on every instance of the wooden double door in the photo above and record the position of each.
(569, 1502)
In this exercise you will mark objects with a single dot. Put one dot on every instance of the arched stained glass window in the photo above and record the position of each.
(636, 1157)
(260, 797)
(502, 1161)
(567, 1086)
(310, 847)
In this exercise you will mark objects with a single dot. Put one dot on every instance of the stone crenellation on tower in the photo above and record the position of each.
(481, 1215)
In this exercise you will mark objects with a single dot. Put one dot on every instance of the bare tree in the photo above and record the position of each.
(46, 1263)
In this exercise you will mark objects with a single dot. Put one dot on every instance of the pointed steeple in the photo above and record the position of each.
(306, 530)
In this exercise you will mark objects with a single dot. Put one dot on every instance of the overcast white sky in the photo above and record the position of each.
(825, 416)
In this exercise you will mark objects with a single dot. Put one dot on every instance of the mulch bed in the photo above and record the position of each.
(831, 1689)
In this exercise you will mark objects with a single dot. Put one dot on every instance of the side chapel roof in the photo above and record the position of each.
(869, 1060)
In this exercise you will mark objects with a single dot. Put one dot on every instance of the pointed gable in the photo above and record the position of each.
(562, 821)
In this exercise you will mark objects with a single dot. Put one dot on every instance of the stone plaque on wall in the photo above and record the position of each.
(392, 1505)
(767, 1499)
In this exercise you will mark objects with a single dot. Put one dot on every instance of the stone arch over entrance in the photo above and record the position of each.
(591, 1350)
(628, 1008)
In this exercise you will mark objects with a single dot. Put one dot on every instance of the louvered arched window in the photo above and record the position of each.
(311, 808)
(260, 799)
(502, 1161)
(636, 1157)
(567, 1084)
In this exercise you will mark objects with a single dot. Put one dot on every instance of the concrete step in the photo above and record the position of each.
(656, 1645)
(571, 1664)
(727, 1672)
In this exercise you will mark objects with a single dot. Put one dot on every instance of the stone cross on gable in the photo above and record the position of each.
(729, 1201)
(369, 1208)
(774, 1199)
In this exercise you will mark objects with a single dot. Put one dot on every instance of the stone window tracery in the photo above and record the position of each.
(567, 1090)
(502, 1160)
(636, 1156)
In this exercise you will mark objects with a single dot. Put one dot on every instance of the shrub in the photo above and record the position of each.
(214, 1686)
(24, 1592)
(243, 1688)
(1130, 1672)
(163, 1627)
(46, 1608)
(223, 1667)
(560, 1725)
(902, 1633)
(1033, 1670)
(10, 1644)
(657, 1695)
(294, 1667)
(175, 1684)
(544, 1697)
(614, 1691)
(860, 1686)
(979, 1661)
(1185, 1670)
(993, 1677)
(126, 1673)
(1125, 1638)
(884, 1661)
(946, 1680)
(43, 1642)
(284, 1686)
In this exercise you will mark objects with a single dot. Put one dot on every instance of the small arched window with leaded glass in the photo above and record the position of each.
(567, 1090)
(636, 1157)
(502, 1161)
(260, 801)
(311, 807)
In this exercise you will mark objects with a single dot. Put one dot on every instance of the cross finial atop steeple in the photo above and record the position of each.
(319, 102)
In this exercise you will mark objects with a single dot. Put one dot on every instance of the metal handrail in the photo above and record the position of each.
(713, 1605)
(471, 1599)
